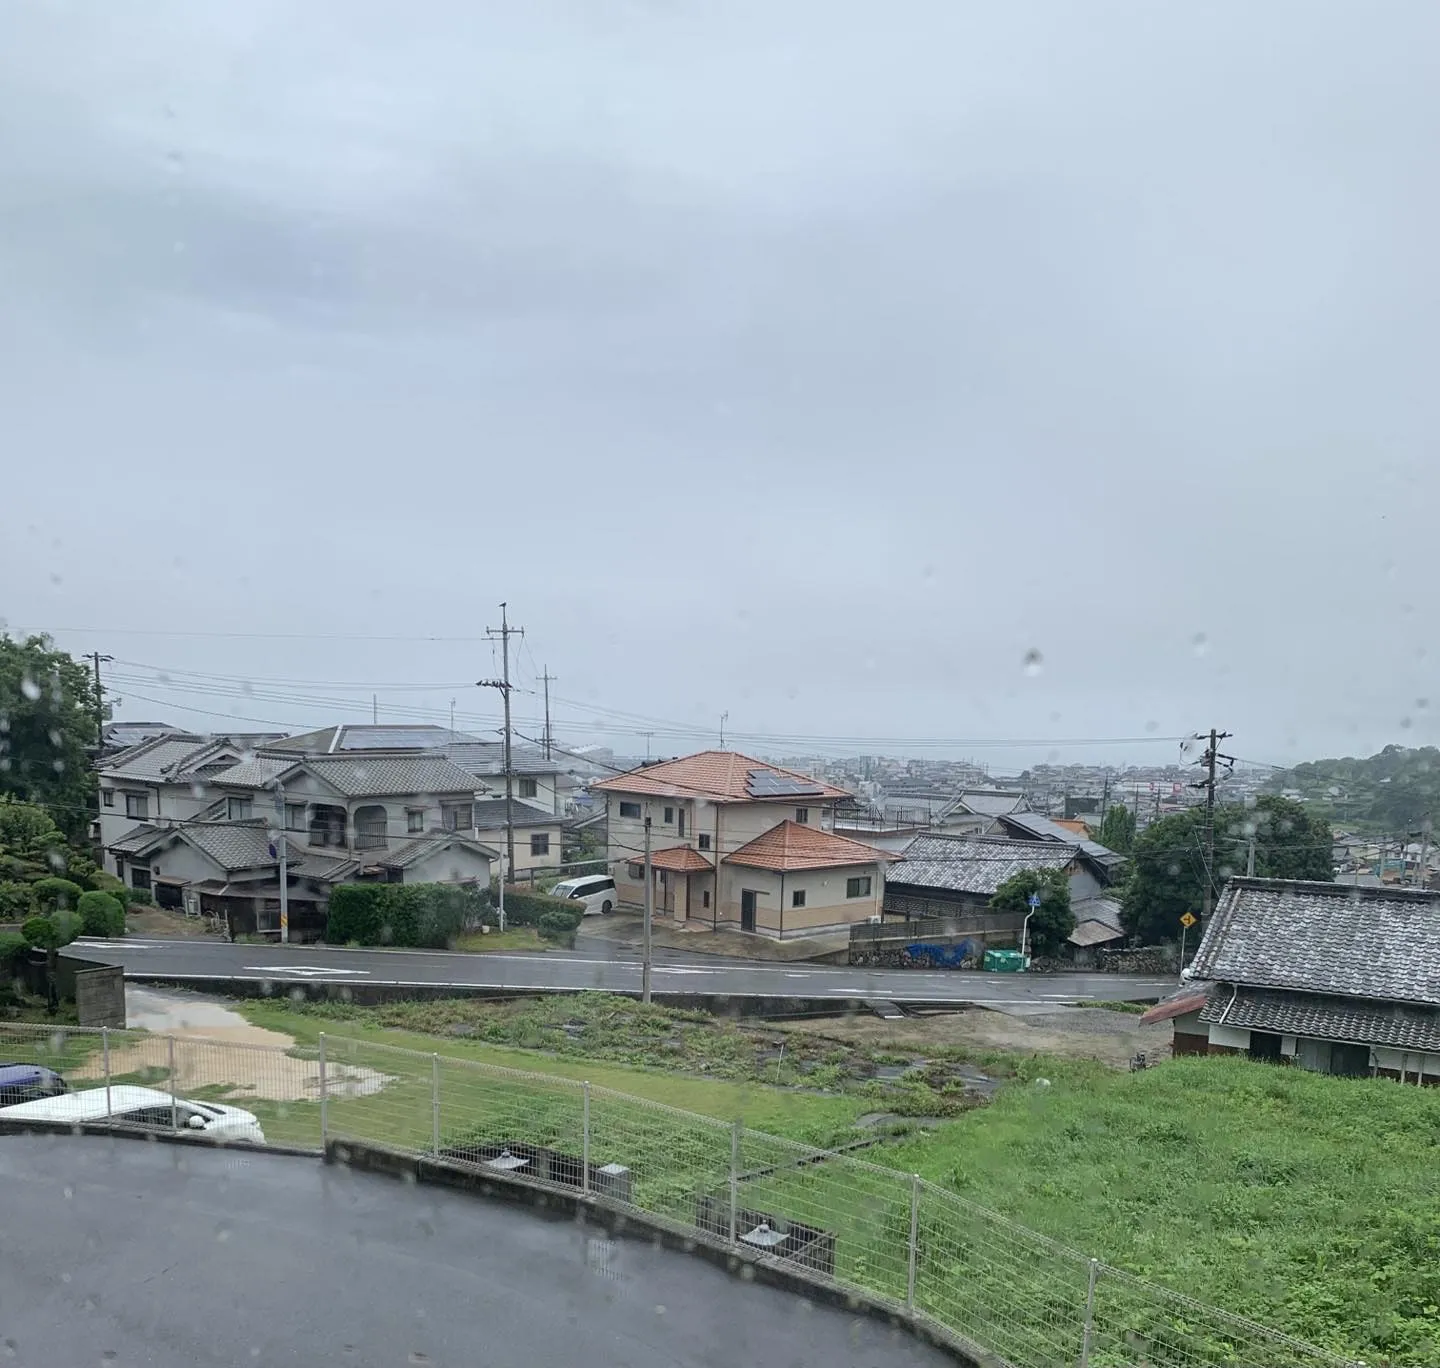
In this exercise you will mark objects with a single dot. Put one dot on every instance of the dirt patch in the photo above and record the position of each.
(1113, 1038)
(243, 1061)
(159, 921)
(628, 930)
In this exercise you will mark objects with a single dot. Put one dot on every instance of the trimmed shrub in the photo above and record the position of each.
(139, 897)
(416, 916)
(526, 909)
(16, 901)
(12, 946)
(100, 914)
(50, 933)
(356, 914)
(103, 881)
(559, 927)
(55, 893)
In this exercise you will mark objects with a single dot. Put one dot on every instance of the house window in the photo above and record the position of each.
(636, 871)
(137, 805)
(457, 816)
(629, 809)
(139, 878)
(802, 815)
(238, 809)
(525, 788)
(414, 819)
(107, 796)
(703, 840)
(294, 816)
(540, 843)
(705, 898)
(797, 898)
(680, 817)
(669, 816)
(858, 887)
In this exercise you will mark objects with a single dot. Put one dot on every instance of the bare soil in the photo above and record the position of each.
(1113, 1038)
(160, 921)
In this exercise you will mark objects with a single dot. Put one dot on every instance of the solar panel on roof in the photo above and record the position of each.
(768, 784)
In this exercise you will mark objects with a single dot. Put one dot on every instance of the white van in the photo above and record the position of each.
(146, 1107)
(595, 892)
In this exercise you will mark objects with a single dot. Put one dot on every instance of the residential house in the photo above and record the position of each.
(1324, 976)
(1030, 826)
(163, 779)
(537, 834)
(345, 817)
(740, 844)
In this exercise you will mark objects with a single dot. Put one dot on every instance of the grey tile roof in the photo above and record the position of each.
(1043, 829)
(329, 868)
(428, 844)
(487, 759)
(135, 840)
(154, 761)
(257, 773)
(986, 804)
(232, 845)
(1093, 933)
(1103, 910)
(363, 776)
(1381, 943)
(973, 864)
(1326, 1018)
(490, 815)
(351, 737)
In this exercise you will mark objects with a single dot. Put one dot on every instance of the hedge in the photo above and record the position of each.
(526, 909)
(101, 915)
(417, 916)
(559, 927)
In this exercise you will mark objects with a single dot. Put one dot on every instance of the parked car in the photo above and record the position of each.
(27, 1082)
(145, 1107)
(595, 892)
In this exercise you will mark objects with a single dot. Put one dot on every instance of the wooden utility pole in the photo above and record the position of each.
(96, 657)
(505, 631)
(649, 914)
(547, 679)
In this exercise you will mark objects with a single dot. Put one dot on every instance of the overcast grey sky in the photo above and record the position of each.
(809, 361)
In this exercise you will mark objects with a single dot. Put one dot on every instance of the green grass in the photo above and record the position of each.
(1309, 1203)
(514, 938)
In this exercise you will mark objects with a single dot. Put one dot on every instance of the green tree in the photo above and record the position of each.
(100, 914)
(48, 708)
(1053, 920)
(1167, 869)
(51, 934)
(31, 845)
(1117, 831)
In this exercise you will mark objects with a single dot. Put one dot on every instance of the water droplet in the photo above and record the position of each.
(1421, 704)
(1405, 724)
(1200, 643)
(1033, 663)
(29, 688)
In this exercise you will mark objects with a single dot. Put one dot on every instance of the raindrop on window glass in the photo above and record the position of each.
(1033, 663)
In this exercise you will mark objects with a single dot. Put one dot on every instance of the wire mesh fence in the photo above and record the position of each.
(1012, 1294)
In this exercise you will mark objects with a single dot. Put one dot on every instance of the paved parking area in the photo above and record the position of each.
(120, 1252)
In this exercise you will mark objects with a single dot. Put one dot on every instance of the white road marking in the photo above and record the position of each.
(304, 970)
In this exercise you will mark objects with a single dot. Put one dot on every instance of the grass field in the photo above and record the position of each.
(515, 938)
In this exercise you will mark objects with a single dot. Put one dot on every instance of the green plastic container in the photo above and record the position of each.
(1004, 962)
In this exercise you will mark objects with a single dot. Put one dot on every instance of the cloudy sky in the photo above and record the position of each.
(811, 362)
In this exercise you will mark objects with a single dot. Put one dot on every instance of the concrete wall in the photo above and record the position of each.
(456, 865)
(495, 838)
(165, 802)
(100, 996)
(177, 860)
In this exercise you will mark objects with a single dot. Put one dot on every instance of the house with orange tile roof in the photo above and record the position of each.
(740, 845)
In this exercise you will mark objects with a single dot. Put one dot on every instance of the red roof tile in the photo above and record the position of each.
(717, 775)
(789, 845)
(680, 860)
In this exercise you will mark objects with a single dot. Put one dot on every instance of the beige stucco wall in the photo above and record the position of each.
(456, 865)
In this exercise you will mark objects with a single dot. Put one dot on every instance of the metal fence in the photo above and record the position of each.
(1009, 1292)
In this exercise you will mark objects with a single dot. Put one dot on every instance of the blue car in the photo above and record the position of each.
(28, 1082)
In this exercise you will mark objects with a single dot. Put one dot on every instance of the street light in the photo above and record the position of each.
(1034, 901)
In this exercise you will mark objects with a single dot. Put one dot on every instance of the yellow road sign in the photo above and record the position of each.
(1188, 920)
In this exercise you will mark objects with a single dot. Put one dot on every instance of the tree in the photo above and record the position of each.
(1117, 831)
(1167, 870)
(48, 712)
(1053, 920)
(100, 914)
(51, 934)
(31, 845)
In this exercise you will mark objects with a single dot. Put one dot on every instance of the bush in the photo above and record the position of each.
(526, 909)
(139, 897)
(103, 881)
(12, 946)
(559, 927)
(416, 916)
(50, 933)
(100, 914)
(16, 901)
(55, 893)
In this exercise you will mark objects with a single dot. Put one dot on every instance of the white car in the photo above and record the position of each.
(594, 892)
(146, 1107)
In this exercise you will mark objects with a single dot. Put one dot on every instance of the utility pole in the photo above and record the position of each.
(505, 631)
(281, 854)
(96, 658)
(647, 736)
(724, 717)
(1250, 858)
(374, 708)
(649, 914)
(547, 679)
(1210, 760)
(1424, 851)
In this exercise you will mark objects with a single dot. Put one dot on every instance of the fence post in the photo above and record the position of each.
(1089, 1314)
(585, 1143)
(324, 1097)
(734, 1181)
(914, 1241)
(435, 1105)
(170, 1061)
(105, 1056)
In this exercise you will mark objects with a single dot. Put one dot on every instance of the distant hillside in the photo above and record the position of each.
(1392, 792)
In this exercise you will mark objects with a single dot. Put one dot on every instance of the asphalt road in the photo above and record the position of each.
(118, 1252)
(202, 961)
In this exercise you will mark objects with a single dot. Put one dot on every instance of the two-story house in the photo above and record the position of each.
(399, 817)
(739, 844)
